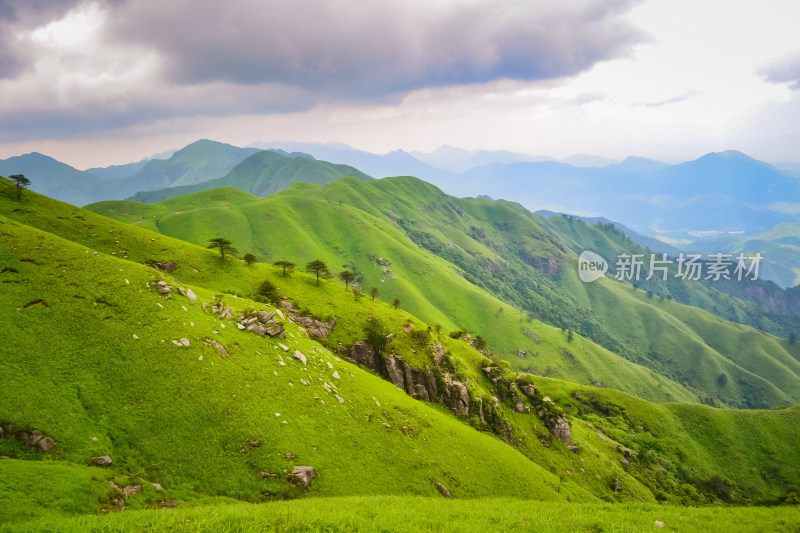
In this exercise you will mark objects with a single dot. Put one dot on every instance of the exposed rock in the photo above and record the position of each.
(192, 296)
(258, 329)
(103, 460)
(276, 331)
(390, 337)
(569, 472)
(627, 453)
(561, 430)
(265, 317)
(625, 463)
(299, 356)
(180, 291)
(45, 445)
(163, 289)
(600, 436)
(184, 341)
(574, 449)
(362, 354)
(31, 438)
(301, 475)
(659, 523)
(456, 396)
(2, 433)
(287, 305)
(395, 371)
(440, 353)
(118, 504)
(267, 474)
(528, 390)
(521, 354)
(157, 486)
(132, 489)
(443, 490)
(166, 267)
(617, 486)
(255, 443)
(216, 344)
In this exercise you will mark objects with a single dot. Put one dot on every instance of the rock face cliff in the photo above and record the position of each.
(439, 386)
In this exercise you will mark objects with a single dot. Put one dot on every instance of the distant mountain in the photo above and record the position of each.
(58, 180)
(200, 161)
(119, 171)
(396, 163)
(454, 159)
(263, 173)
(586, 160)
(721, 192)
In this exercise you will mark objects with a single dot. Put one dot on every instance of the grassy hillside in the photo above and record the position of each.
(427, 285)
(262, 174)
(443, 251)
(93, 363)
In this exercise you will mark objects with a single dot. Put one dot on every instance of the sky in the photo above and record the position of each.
(95, 83)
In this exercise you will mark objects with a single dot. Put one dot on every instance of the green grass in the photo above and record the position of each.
(183, 416)
(386, 514)
(486, 266)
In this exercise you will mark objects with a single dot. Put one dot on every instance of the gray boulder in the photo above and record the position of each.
(301, 475)
(393, 368)
(362, 354)
(562, 430)
(46, 444)
(103, 460)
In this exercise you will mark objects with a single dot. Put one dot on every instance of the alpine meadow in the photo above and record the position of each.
(464, 266)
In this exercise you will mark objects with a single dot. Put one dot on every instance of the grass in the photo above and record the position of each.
(395, 513)
(184, 417)
(489, 267)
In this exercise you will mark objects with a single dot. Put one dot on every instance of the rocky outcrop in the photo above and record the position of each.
(301, 475)
(455, 396)
(561, 430)
(314, 327)
(167, 267)
(362, 353)
(36, 440)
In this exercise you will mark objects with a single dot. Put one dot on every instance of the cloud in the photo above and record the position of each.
(786, 70)
(69, 67)
(348, 49)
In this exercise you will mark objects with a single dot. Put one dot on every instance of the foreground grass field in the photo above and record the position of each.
(395, 513)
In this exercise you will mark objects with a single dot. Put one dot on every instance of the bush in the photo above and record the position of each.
(268, 292)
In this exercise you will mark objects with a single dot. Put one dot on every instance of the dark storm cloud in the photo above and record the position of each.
(347, 49)
(784, 71)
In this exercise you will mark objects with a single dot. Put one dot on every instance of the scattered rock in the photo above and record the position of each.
(192, 296)
(659, 523)
(627, 453)
(103, 460)
(341, 400)
(574, 449)
(118, 504)
(625, 463)
(132, 489)
(301, 475)
(336, 375)
(617, 486)
(157, 486)
(166, 267)
(184, 341)
(216, 344)
(299, 356)
(258, 329)
(561, 430)
(600, 436)
(267, 474)
(569, 472)
(45, 445)
(442, 490)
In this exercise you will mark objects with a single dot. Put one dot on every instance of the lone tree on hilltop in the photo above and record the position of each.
(21, 182)
(287, 266)
(318, 268)
(347, 277)
(224, 246)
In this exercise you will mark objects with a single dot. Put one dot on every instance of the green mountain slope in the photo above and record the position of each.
(200, 161)
(441, 248)
(86, 365)
(262, 174)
